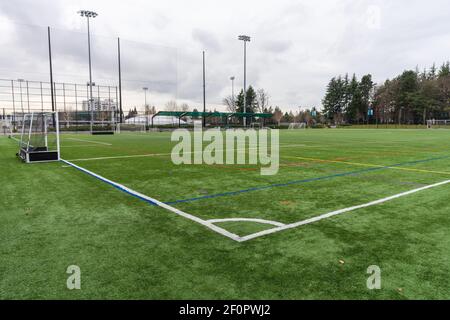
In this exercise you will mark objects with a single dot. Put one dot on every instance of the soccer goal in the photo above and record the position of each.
(5, 128)
(39, 141)
(255, 125)
(300, 125)
(130, 127)
(438, 124)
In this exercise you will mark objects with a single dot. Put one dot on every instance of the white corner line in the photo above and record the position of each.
(158, 203)
(337, 212)
(274, 223)
(210, 223)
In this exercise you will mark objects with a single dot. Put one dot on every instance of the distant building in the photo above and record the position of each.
(100, 105)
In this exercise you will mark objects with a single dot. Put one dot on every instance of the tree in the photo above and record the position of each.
(277, 115)
(288, 117)
(444, 71)
(262, 100)
(415, 96)
(353, 97)
(150, 110)
(171, 105)
(184, 107)
(131, 113)
(366, 87)
(334, 99)
(229, 103)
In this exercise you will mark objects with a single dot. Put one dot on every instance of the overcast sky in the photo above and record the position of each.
(296, 46)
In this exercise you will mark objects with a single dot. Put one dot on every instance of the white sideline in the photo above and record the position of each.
(159, 203)
(274, 223)
(334, 213)
(90, 141)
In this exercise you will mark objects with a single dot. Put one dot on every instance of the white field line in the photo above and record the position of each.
(79, 146)
(90, 141)
(337, 212)
(274, 223)
(15, 139)
(210, 223)
(158, 203)
(168, 154)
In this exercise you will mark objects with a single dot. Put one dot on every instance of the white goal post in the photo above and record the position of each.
(438, 124)
(39, 140)
(296, 125)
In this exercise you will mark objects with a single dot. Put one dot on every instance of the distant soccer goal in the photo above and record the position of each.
(255, 125)
(39, 140)
(438, 124)
(130, 127)
(5, 128)
(300, 125)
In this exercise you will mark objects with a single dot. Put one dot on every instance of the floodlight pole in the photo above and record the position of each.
(120, 81)
(204, 92)
(88, 15)
(232, 91)
(245, 39)
(145, 96)
(51, 76)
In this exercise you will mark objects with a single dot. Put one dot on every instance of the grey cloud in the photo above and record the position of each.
(296, 47)
(277, 46)
(206, 39)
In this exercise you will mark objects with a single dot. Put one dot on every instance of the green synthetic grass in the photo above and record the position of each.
(53, 216)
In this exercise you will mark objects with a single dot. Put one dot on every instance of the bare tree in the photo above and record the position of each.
(262, 100)
(230, 104)
(184, 107)
(171, 105)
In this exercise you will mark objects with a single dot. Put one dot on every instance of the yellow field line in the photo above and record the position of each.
(369, 165)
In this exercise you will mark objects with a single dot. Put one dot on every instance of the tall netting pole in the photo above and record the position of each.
(204, 91)
(51, 73)
(120, 82)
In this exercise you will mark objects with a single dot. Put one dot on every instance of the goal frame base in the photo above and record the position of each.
(37, 156)
(94, 133)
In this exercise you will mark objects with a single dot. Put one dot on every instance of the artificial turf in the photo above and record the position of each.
(53, 216)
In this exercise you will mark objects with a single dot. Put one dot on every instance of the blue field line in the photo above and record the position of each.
(285, 184)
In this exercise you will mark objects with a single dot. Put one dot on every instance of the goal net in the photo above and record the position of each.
(130, 127)
(98, 122)
(255, 125)
(39, 139)
(300, 125)
(438, 124)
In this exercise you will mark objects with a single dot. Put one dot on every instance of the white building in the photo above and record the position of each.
(100, 105)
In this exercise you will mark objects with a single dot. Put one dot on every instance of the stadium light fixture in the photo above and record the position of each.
(245, 39)
(89, 14)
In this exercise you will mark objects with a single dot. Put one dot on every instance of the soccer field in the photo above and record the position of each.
(343, 200)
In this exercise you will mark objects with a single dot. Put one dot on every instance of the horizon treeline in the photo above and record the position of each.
(412, 97)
